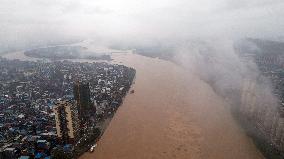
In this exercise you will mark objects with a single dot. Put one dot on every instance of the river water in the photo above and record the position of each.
(172, 114)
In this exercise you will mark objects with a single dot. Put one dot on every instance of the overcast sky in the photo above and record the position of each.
(27, 21)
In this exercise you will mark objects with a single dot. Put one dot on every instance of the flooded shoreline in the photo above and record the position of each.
(172, 114)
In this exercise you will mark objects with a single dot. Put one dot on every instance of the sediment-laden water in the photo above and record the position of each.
(172, 114)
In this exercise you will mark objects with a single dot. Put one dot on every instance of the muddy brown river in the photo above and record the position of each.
(172, 114)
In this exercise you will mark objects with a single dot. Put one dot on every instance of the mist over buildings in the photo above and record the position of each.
(199, 35)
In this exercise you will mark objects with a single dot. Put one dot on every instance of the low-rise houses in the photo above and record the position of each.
(261, 107)
(29, 90)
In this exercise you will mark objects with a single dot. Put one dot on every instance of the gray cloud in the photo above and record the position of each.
(139, 20)
(200, 32)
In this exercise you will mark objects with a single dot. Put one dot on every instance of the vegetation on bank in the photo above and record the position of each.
(66, 52)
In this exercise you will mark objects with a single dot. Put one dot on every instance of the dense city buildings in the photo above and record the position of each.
(261, 108)
(41, 102)
(66, 121)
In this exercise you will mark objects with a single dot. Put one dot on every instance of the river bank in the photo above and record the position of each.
(172, 114)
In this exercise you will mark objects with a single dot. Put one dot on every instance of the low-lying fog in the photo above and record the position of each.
(202, 36)
(33, 23)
